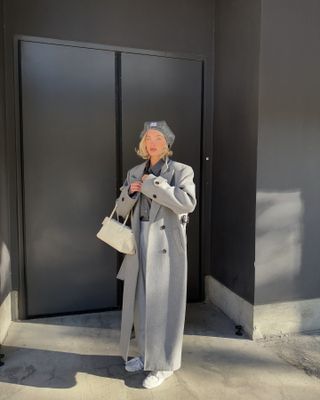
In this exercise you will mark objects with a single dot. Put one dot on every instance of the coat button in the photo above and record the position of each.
(122, 199)
(157, 182)
(154, 196)
(162, 226)
(164, 250)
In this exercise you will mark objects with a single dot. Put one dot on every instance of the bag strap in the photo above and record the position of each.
(113, 211)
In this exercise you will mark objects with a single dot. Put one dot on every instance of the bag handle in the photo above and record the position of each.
(113, 211)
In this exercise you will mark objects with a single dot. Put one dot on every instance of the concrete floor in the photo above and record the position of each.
(76, 357)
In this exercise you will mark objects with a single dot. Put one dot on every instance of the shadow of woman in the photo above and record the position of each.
(54, 369)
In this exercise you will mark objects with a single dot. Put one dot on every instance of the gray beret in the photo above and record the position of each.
(160, 126)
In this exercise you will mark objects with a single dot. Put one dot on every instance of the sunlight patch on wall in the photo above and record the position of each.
(279, 237)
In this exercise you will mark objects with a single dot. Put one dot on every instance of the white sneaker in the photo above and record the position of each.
(135, 364)
(155, 378)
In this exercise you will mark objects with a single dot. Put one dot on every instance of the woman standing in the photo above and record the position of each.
(161, 193)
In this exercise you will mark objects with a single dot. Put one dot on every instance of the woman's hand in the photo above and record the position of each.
(135, 187)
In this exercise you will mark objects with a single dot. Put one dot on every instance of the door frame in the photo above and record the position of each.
(15, 164)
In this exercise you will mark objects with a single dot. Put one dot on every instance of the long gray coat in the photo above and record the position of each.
(173, 195)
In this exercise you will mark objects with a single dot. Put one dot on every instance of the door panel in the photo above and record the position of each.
(162, 88)
(69, 177)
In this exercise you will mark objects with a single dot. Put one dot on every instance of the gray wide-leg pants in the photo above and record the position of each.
(140, 300)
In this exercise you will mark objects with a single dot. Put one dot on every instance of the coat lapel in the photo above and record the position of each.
(166, 172)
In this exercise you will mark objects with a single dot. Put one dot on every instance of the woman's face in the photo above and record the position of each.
(155, 143)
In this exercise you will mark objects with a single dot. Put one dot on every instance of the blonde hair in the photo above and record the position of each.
(142, 151)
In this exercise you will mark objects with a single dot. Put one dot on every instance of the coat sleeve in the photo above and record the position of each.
(125, 202)
(180, 198)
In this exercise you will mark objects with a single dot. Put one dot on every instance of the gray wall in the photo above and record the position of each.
(4, 220)
(5, 275)
(237, 33)
(265, 227)
(177, 26)
(288, 183)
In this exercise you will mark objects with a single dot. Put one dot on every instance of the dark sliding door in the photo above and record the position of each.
(163, 88)
(69, 177)
(69, 159)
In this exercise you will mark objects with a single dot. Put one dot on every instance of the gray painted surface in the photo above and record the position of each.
(5, 278)
(237, 31)
(288, 150)
(288, 184)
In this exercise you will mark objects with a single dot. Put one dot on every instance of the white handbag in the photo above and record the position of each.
(117, 235)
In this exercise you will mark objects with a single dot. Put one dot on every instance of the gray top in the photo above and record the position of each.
(145, 202)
